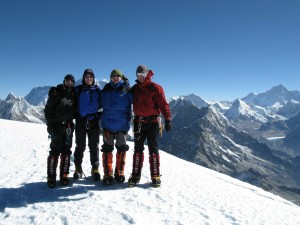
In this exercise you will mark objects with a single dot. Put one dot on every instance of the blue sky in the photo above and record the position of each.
(217, 49)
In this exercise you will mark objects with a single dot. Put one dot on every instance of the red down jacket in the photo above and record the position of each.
(149, 100)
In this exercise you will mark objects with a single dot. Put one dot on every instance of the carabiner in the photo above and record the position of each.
(87, 125)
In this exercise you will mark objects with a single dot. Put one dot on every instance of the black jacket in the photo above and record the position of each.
(61, 104)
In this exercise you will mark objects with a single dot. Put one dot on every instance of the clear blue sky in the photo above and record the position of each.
(217, 49)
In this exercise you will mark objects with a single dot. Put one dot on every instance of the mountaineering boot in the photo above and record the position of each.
(107, 160)
(64, 180)
(107, 180)
(154, 161)
(120, 164)
(156, 182)
(95, 174)
(51, 182)
(51, 170)
(132, 181)
(138, 160)
(120, 178)
(64, 169)
(77, 173)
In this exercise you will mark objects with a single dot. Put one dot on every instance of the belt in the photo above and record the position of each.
(146, 119)
(85, 119)
(87, 123)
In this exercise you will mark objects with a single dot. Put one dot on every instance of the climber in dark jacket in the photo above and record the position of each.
(59, 114)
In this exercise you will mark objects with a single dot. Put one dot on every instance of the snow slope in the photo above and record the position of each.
(190, 194)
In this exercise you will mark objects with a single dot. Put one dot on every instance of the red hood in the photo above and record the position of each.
(148, 78)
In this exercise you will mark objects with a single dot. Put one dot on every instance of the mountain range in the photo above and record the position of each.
(254, 139)
(31, 107)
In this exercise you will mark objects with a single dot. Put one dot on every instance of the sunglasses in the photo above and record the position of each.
(144, 74)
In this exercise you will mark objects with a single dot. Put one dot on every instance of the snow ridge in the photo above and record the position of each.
(190, 194)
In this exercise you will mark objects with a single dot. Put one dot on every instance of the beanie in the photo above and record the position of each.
(116, 72)
(142, 68)
(88, 71)
(69, 77)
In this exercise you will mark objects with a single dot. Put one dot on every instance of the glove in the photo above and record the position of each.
(50, 128)
(168, 126)
(125, 79)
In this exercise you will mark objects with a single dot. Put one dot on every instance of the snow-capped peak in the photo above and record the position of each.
(241, 109)
(194, 99)
(278, 89)
(11, 97)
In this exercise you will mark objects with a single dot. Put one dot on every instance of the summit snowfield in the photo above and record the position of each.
(190, 194)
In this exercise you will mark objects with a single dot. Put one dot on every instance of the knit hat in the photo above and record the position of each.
(88, 71)
(141, 69)
(69, 77)
(116, 72)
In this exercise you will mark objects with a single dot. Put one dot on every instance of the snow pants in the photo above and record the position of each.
(61, 141)
(146, 131)
(92, 132)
